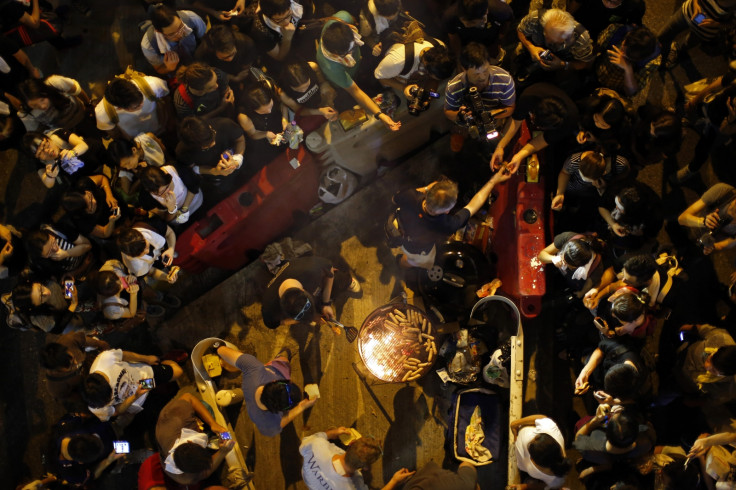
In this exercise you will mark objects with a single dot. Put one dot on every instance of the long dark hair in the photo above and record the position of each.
(546, 451)
(36, 89)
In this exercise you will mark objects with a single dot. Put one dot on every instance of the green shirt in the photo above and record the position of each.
(338, 74)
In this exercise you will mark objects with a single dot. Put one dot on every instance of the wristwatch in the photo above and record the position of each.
(184, 209)
(378, 114)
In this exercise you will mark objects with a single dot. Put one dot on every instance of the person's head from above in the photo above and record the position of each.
(722, 362)
(258, 98)
(639, 44)
(41, 244)
(56, 356)
(85, 448)
(124, 95)
(29, 295)
(677, 475)
(592, 165)
(629, 201)
(78, 203)
(549, 114)
(577, 252)
(362, 453)
(639, 270)
(441, 197)
(7, 126)
(41, 146)
(126, 154)
(666, 127)
(558, 27)
(192, 458)
(298, 305)
(437, 62)
(222, 41)
(630, 308)
(297, 75)
(131, 242)
(612, 4)
(278, 11)
(155, 181)
(34, 94)
(166, 21)
(280, 396)
(621, 381)
(474, 60)
(199, 78)
(473, 13)
(388, 9)
(622, 431)
(197, 133)
(108, 284)
(546, 452)
(96, 390)
(338, 39)
(609, 114)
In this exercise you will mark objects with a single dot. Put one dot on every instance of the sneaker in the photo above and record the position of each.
(155, 311)
(354, 286)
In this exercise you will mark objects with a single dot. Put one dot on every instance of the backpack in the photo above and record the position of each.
(139, 80)
(409, 53)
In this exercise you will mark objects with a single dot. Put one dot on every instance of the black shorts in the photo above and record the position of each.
(162, 373)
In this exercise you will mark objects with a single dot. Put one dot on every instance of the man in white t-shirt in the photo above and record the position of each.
(114, 386)
(328, 466)
(131, 106)
(412, 61)
(527, 431)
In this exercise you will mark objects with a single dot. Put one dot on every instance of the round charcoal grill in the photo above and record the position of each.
(387, 351)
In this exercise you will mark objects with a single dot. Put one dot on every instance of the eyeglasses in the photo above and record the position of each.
(304, 311)
(177, 33)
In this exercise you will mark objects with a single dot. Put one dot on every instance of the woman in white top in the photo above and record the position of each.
(56, 102)
(172, 193)
(129, 158)
(540, 451)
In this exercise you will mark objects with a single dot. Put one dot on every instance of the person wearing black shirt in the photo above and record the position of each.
(91, 208)
(425, 217)
(229, 51)
(546, 108)
(596, 15)
(308, 286)
(481, 21)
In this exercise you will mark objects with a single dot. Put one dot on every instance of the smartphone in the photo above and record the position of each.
(225, 436)
(682, 336)
(546, 55)
(121, 447)
(598, 396)
(600, 324)
(148, 383)
(698, 19)
(116, 211)
(68, 289)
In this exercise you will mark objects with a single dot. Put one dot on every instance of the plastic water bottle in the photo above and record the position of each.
(293, 135)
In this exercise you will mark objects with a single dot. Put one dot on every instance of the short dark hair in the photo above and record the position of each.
(55, 356)
(257, 95)
(196, 75)
(33, 88)
(630, 200)
(473, 9)
(641, 266)
(35, 241)
(621, 381)
(131, 242)
(96, 390)
(724, 360)
(438, 62)
(473, 55)
(550, 113)
(153, 178)
(192, 458)
(577, 252)
(85, 448)
(222, 38)
(293, 302)
(612, 111)
(119, 149)
(296, 72)
(108, 283)
(31, 141)
(162, 16)
(622, 429)
(74, 202)
(195, 132)
(274, 7)
(640, 44)
(387, 8)
(123, 93)
(279, 396)
(21, 296)
(363, 453)
(337, 38)
(546, 451)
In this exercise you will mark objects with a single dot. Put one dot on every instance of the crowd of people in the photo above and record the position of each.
(227, 86)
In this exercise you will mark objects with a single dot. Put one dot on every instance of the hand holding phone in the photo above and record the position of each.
(68, 288)
(121, 447)
(148, 383)
(225, 436)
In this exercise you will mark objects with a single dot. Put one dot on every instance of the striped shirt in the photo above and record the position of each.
(500, 91)
(578, 186)
(713, 10)
(580, 49)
